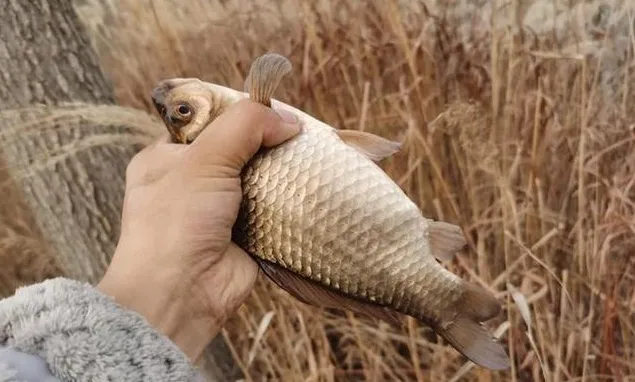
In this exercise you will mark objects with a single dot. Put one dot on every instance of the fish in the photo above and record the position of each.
(329, 226)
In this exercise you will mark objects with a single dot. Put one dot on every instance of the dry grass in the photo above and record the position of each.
(524, 138)
(26, 257)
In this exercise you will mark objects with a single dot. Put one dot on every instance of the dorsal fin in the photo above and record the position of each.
(445, 240)
(263, 79)
(265, 75)
(312, 293)
(373, 146)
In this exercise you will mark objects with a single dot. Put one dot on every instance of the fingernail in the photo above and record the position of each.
(287, 116)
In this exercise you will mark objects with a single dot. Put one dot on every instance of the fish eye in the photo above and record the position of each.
(184, 110)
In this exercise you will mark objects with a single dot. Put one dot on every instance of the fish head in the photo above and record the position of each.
(188, 105)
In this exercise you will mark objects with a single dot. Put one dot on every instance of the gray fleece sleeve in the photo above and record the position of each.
(82, 334)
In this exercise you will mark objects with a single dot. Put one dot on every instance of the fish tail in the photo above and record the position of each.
(477, 303)
(466, 333)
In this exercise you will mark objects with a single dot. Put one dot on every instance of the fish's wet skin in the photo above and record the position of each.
(330, 227)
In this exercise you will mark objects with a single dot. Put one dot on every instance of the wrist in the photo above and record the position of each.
(166, 301)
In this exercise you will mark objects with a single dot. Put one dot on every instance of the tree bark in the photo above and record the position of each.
(65, 171)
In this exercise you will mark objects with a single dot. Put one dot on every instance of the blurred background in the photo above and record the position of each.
(518, 119)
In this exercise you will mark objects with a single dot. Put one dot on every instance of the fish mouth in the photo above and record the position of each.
(189, 136)
(182, 135)
(161, 110)
(157, 100)
(159, 95)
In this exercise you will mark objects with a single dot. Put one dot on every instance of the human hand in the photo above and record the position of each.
(175, 263)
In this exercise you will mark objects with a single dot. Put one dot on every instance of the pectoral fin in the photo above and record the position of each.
(373, 146)
(311, 293)
(445, 240)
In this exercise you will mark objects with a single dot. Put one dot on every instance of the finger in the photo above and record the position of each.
(237, 134)
(229, 280)
(245, 266)
(292, 126)
(244, 272)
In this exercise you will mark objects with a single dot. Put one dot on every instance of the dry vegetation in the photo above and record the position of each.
(521, 132)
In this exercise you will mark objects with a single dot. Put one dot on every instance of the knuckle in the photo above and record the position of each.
(135, 165)
(140, 162)
(153, 161)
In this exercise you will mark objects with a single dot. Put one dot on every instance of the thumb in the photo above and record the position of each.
(237, 134)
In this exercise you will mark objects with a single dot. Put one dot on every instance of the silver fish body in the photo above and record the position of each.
(329, 226)
(319, 207)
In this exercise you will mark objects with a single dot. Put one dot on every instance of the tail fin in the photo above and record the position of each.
(478, 303)
(464, 331)
(475, 342)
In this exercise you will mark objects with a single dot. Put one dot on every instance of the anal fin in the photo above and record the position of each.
(445, 240)
(311, 293)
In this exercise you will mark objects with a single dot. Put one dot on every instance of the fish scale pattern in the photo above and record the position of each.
(320, 208)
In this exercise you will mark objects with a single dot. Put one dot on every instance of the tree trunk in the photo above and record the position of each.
(65, 165)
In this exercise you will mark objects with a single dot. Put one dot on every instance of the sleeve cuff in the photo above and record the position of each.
(84, 334)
